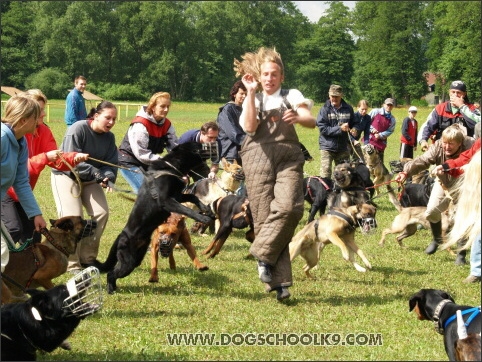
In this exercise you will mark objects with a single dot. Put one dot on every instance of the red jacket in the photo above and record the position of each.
(38, 144)
(453, 166)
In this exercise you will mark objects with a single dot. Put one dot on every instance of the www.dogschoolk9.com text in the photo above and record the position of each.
(274, 339)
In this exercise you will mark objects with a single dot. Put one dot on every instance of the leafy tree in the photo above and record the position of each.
(327, 56)
(454, 46)
(389, 61)
(53, 82)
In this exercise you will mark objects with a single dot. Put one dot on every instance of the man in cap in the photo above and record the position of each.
(334, 121)
(383, 125)
(456, 110)
(408, 139)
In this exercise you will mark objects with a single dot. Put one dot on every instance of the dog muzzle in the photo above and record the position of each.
(209, 151)
(367, 225)
(165, 246)
(90, 226)
(85, 293)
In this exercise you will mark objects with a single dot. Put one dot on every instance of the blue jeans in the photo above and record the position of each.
(475, 257)
(134, 177)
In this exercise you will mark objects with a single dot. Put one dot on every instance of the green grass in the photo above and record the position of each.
(229, 298)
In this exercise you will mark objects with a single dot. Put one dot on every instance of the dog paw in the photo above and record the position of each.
(153, 280)
(66, 345)
(381, 243)
(203, 268)
(359, 268)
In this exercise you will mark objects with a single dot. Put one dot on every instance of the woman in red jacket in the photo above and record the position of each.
(42, 151)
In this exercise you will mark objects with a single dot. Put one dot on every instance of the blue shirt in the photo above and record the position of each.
(74, 107)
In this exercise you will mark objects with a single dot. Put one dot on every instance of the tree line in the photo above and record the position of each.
(131, 49)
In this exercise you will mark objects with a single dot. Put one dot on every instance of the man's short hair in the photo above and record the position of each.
(455, 132)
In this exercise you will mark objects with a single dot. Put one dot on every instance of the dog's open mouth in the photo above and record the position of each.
(165, 246)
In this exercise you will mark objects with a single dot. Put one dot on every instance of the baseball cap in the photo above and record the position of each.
(459, 85)
(389, 101)
(335, 90)
(413, 109)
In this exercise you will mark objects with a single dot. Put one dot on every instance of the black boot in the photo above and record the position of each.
(437, 237)
(460, 260)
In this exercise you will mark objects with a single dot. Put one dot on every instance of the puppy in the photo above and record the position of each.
(349, 188)
(315, 191)
(338, 228)
(45, 320)
(231, 211)
(438, 306)
(163, 240)
(407, 221)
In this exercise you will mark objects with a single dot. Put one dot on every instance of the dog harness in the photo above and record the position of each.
(475, 312)
(308, 188)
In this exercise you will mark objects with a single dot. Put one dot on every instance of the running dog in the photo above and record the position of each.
(163, 240)
(39, 263)
(45, 320)
(439, 306)
(349, 188)
(160, 195)
(315, 191)
(231, 211)
(208, 190)
(336, 227)
(406, 222)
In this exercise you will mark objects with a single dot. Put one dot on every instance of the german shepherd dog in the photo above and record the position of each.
(439, 307)
(349, 188)
(39, 263)
(160, 195)
(232, 211)
(163, 240)
(209, 190)
(45, 320)
(336, 227)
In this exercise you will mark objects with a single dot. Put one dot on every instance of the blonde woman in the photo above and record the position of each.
(21, 114)
(149, 133)
(273, 163)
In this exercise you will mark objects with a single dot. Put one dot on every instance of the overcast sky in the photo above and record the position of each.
(314, 9)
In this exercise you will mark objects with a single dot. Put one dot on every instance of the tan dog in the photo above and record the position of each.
(338, 228)
(36, 265)
(377, 169)
(165, 237)
(407, 221)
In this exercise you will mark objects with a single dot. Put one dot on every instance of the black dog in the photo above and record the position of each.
(349, 188)
(232, 211)
(159, 195)
(41, 323)
(315, 191)
(364, 172)
(306, 154)
(417, 194)
(438, 306)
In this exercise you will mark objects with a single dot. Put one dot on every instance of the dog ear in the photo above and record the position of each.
(65, 224)
(446, 295)
(52, 222)
(416, 298)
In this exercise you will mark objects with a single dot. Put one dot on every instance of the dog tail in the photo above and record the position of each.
(111, 261)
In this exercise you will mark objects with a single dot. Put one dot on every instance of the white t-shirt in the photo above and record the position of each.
(275, 100)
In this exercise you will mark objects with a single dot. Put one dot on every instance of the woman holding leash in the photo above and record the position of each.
(21, 114)
(149, 133)
(42, 151)
(273, 163)
(84, 186)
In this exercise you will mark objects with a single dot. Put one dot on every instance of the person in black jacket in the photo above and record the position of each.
(334, 121)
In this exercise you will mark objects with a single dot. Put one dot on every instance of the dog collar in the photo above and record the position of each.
(348, 219)
(436, 315)
(475, 311)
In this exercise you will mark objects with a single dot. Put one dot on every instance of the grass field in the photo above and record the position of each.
(228, 300)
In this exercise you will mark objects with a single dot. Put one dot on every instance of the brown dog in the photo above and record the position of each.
(36, 265)
(407, 221)
(163, 240)
(338, 228)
